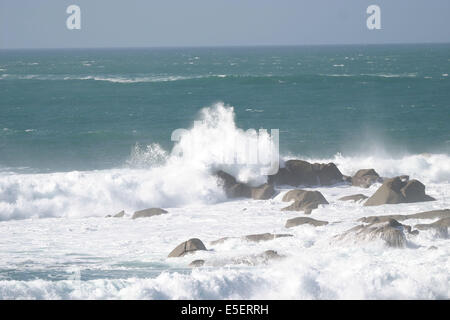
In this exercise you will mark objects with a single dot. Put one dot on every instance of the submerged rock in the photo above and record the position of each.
(304, 220)
(440, 227)
(304, 200)
(148, 213)
(354, 197)
(189, 246)
(197, 263)
(263, 192)
(396, 190)
(391, 232)
(365, 178)
(117, 215)
(299, 172)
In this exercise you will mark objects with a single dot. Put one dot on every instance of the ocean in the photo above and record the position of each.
(87, 132)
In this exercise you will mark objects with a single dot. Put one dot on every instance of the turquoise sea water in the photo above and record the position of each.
(85, 109)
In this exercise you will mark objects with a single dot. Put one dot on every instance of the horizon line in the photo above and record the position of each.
(227, 46)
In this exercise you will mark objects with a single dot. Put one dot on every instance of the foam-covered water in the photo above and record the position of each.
(84, 138)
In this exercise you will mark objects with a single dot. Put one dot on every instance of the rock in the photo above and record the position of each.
(197, 263)
(221, 240)
(365, 178)
(148, 213)
(263, 192)
(264, 257)
(432, 248)
(440, 227)
(395, 191)
(304, 200)
(189, 246)
(354, 197)
(121, 214)
(232, 188)
(391, 232)
(239, 190)
(299, 172)
(264, 237)
(445, 213)
(304, 220)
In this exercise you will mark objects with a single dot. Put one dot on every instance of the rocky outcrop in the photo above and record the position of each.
(189, 246)
(117, 215)
(434, 214)
(354, 197)
(148, 213)
(396, 190)
(391, 232)
(197, 263)
(304, 220)
(299, 172)
(263, 192)
(264, 237)
(440, 227)
(304, 200)
(365, 178)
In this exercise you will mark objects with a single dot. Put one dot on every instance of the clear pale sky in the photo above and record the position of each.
(156, 23)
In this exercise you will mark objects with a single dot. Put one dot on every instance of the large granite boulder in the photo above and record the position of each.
(189, 246)
(396, 190)
(299, 172)
(434, 214)
(304, 200)
(148, 213)
(354, 197)
(365, 178)
(304, 220)
(391, 232)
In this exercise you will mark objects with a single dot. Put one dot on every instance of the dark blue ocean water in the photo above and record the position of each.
(86, 109)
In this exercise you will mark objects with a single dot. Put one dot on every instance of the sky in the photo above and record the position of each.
(179, 23)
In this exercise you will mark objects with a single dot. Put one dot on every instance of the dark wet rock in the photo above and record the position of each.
(197, 263)
(225, 180)
(262, 258)
(304, 220)
(304, 200)
(148, 213)
(396, 190)
(299, 172)
(432, 248)
(189, 246)
(239, 190)
(264, 237)
(263, 192)
(365, 178)
(354, 197)
(391, 232)
(440, 227)
(434, 214)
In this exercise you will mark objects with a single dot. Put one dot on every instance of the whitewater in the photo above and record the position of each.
(57, 244)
